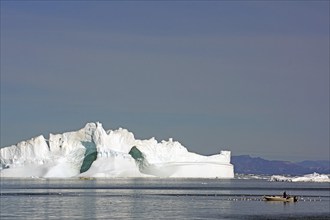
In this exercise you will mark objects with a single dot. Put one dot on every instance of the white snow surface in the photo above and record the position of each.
(107, 154)
(314, 177)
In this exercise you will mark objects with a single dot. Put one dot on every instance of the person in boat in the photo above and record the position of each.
(284, 195)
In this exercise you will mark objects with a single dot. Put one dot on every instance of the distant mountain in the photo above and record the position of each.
(245, 164)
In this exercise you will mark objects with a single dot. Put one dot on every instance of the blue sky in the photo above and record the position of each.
(248, 76)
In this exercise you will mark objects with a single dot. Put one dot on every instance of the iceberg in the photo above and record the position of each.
(314, 177)
(95, 152)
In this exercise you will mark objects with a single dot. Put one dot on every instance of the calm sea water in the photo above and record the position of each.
(154, 198)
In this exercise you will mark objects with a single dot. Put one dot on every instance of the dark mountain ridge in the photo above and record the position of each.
(245, 164)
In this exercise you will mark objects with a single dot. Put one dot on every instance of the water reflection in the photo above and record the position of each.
(152, 199)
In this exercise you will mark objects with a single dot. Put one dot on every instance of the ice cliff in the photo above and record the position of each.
(94, 152)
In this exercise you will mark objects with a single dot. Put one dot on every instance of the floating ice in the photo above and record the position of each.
(94, 152)
(314, 177)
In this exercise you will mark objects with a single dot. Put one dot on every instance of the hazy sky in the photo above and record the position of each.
(248, 76)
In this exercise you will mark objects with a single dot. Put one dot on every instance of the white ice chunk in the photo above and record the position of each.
(314, 177)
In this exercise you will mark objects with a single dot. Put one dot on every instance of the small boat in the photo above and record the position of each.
(281, 198)
(86, 178)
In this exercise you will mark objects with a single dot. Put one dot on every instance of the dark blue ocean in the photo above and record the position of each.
(157, 198)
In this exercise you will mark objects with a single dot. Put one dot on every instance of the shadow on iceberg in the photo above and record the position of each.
(90, 155)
